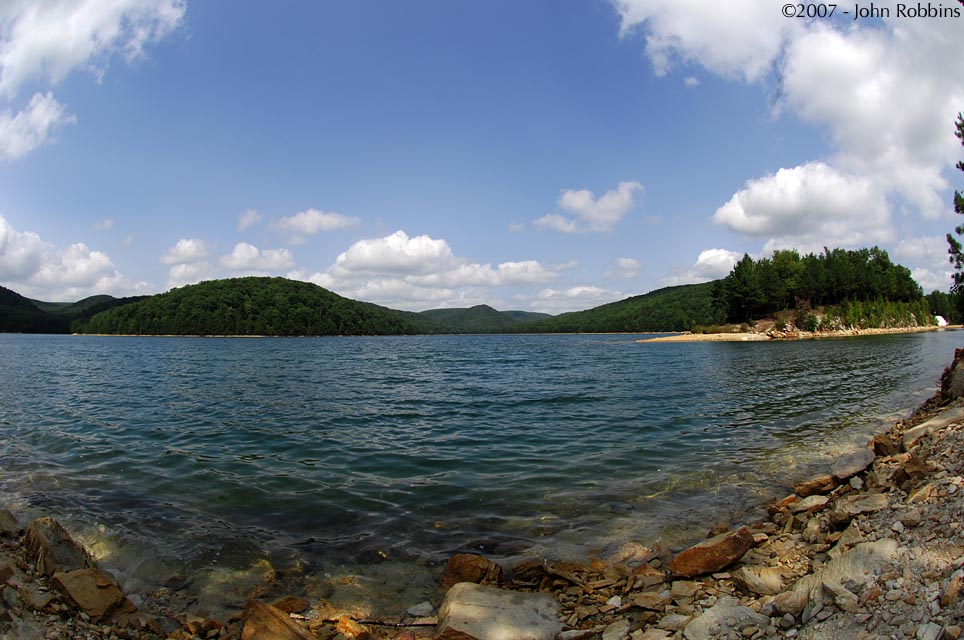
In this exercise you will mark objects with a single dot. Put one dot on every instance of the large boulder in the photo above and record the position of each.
(474, 612)
(712, 555)
(93, 591)
(850, 464)
(468, 567)
(53, 549)
(850, 506)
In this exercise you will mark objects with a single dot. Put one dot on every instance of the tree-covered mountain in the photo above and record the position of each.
(23, 315)
(249, 306)
(678, 308)
(478, 319)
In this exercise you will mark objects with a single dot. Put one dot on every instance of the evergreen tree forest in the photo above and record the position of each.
(868, 288)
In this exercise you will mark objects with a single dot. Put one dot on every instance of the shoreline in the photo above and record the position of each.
(749, 336)
(637, 587)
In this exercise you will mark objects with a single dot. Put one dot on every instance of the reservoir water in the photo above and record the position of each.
(382, 456)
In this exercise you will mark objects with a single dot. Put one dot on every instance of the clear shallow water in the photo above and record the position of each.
(347, 451)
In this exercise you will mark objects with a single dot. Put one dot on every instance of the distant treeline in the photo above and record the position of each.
(759, 288)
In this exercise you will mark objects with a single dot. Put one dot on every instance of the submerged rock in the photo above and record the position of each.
(853, 463)
(487, 613)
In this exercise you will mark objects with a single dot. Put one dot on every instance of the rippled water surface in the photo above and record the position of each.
(353, 450)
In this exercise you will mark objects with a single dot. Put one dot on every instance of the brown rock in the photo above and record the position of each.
(813, 486)
(93, 591)
(651, 600)
(951, 593)
(468, 567)
(351, 629)
(292, 604)
(712, 555)
(646, 575)
(6, 572)
(264, 622)
(885, 444)
(53, 548)
(529, 571)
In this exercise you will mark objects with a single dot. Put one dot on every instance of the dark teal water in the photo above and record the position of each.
(354, 450)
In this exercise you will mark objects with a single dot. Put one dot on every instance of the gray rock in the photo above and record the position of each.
(929, 631)
(725, 614)
(421, 610)
(673, 622)
(851, 464)
(810, 504)
(912, 436)
(853, 505)
(764, 581)
(8, 523)
(864, 560)
(616, 630)
(486, 613)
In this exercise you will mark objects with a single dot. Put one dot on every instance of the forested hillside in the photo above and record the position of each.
(677, 308)
(249, 306)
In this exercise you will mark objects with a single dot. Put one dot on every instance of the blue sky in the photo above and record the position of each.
(419, 154)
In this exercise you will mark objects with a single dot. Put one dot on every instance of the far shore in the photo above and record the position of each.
(749, 336)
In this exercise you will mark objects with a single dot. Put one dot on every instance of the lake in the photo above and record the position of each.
(382, 456)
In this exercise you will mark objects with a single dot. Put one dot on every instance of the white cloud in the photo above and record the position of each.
(587, 213)
(691, 81)
(711, 264)
(397, 254)
(104, 225)
(42, 41)
(189, 273)
(927, 258)
(418, 272)
(311, 222)
(38, 269)
(32, 127)
(573, 299)
(247, 219)
(626, 268)
(186, 250)
(45, 40)
(736, 38)
(808, 207)
(516, 227)
(248, 259)
(885, 92)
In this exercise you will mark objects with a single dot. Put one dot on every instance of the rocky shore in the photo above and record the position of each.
(770, 333)
(873, 548)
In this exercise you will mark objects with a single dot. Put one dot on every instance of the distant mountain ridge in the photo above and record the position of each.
(282, 307)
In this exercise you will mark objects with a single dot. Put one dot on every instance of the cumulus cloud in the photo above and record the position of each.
(189, 273)
(186, 250)
(808, 207)
(38, 269)
(585, 212)
(311, 222)
(45, 40)
(885, 92)
(573, 299)
(737, 38)
(711, 264)
(416, 272)
(247, 219)
(42, 41)
(626, 268)
(247, 259)
(927, 258)
(32, 127)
